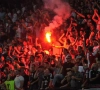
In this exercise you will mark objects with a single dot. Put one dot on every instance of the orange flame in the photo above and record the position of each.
(48, 36)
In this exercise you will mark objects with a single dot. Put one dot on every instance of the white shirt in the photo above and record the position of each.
(80, 69)
(18, 33)
(23, 9)
(9, 14)
(17, 81)
(14, 17)
(99, 69)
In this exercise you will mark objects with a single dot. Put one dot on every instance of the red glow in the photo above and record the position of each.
(48, 37)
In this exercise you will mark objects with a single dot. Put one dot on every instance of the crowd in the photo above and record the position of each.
(24, 64)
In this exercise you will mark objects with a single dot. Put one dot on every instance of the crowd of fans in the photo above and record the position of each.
(23, 60)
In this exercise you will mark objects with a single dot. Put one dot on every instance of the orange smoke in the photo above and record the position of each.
(48, 37)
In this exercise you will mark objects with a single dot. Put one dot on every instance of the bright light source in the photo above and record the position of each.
(48, 36)
(46, 51)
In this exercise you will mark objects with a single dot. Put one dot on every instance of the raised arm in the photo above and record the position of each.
(68, 83)
(94, 15)
(60, 39)
(64, 80)
(75, 41)
(36, 43)
(98, 5)
(91, 35)
(9, 54)
(81, 15)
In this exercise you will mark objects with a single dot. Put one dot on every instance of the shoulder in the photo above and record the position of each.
(21, 78)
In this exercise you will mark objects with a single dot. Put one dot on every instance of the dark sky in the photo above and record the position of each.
(6, 3)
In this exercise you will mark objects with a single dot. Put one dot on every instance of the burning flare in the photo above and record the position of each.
(48, 37)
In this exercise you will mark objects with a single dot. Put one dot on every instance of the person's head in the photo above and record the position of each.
(23, 60)
(30, 47)
(12, 72)
(62, 31)
(25, 71)
(95, 43)
(32, 58)
(69, 59)
(58, 64)
(94, 66)
(18, 72)
(88, 16)
(46, 64)
(90, 49)
(2, 58)
(78, 16)
(46, 71)
(71, 18)
(85, 66)
(41, 68)
(37, 58)
(99, 18)
(65, 51)
(78, 59)
(69, 73)
(29, 24)
(68, 41)
(19, 47)
(79, 49)
(87, 42)
(32, 68)
(39, 48)
(22, 20)
(81, 31)
(90, 24)
(92, 27)
(10, 47)
(91, 42)
(25, 50)
(75, 68)
(24, 43)
(15, 61)
(98, 63)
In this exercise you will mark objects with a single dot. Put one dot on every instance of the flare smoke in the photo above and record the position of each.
(62, 10)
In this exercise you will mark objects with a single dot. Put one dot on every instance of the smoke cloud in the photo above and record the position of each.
(62, 10)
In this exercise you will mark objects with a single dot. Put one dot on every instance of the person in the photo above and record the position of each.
(20, 21)
(76, 79)
(39, 74)
(65, 83)
(66, 42)
(94, 77)
(90, 56)
(9, 83)
(19, 80)
(47, 79)
(59, 77)
(68, 62)
(97, 21)
(33, 81)
(85, 81)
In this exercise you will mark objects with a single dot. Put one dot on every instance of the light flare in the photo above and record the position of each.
(48, 37)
